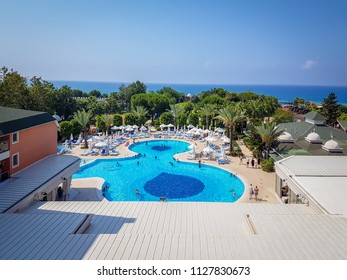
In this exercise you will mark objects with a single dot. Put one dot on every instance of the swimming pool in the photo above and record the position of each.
(156, 174)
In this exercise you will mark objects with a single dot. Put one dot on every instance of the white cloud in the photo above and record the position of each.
(309, 64)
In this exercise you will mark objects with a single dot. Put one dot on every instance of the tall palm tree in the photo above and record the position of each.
(269, 133)
(83, 117)
(175, 111)
(108, 120)
(230, 116)
(140, 113)
(208, 111)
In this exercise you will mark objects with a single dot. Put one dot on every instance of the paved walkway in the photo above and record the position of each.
(265, 181)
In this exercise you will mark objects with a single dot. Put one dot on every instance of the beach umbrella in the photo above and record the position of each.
(190, 126)
(162, 126)
(208, 149)
(143, 128)
(135, 126)
(101, 144)
(115, 128)
(220, 130)
(211, 139)
(71, 137)
(129, 129)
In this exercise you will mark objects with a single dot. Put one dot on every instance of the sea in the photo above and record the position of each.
(284, 93)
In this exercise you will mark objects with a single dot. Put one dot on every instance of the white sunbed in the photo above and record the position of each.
(191, 156)
(85, 153)
(113, 153)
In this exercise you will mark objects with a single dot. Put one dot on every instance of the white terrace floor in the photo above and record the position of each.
(164, 231)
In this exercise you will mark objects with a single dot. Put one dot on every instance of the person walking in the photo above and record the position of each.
(252, 162)
(250, 191)
(256, 192)
(241, 159)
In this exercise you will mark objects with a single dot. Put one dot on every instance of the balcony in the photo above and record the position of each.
(4, 150)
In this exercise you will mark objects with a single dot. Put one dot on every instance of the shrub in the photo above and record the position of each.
(268, 165)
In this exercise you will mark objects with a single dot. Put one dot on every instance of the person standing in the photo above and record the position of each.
(252, 162)
(250, 190)
(256, 192)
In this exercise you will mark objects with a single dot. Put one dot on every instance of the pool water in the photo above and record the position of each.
(156, 174)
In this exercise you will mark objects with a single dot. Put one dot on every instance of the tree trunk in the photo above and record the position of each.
(85, 135)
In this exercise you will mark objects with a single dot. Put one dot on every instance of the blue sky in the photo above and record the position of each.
(298, 42)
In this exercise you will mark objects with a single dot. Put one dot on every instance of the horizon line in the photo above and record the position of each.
(201, 84)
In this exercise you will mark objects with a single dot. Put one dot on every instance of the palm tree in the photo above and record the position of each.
(140, 113)
(175, 111)
(108, 120)
(230, 116)
(207, 110)
(269, 133)
(83, 117)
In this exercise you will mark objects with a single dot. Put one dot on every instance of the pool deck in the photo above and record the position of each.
(255, 176)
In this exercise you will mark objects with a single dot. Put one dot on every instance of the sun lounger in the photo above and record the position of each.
(114, 153)
(94, 153)
(190, 156)
(104, 152)
(222, 160)
(85, 153)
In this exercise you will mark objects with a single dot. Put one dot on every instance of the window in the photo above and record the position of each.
(15, 160)
(15, 137)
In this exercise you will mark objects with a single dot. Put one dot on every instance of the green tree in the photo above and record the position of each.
(140, 114)
(63, 102)
(13, 90)
(166, 118)
(298, 101)
(282, 116)
(173, 95)
(330, 108)
(132, 89)
(95, 93)
(83, 117)
(247, 96)
(215, 100)
(193, 118)
(76, 127)
(40, 95)
(230, 116)
(65, 129)
(117, 119)
(175, 110)
(129, 118)
(154, 103)
(108, 120)
(100, 123)
(268, 133)
(208, 112)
